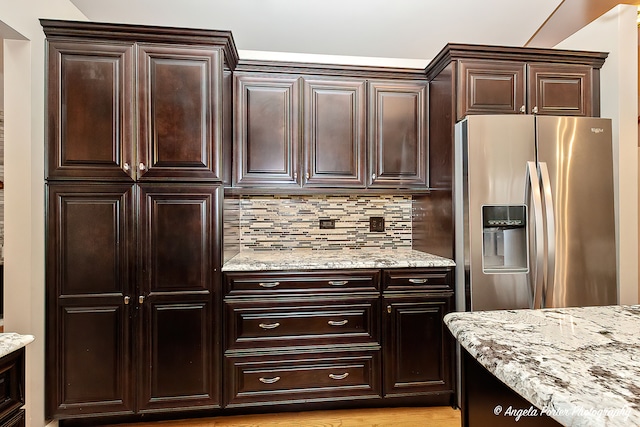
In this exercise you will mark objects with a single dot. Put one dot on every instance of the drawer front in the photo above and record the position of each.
(260, 324)
(12, 382)
(424, 279)
(298, 378)
(309, 282)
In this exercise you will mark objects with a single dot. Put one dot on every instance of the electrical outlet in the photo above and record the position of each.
(376, 223)
(327, 224)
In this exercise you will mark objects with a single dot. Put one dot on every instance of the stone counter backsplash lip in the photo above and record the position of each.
(306, 259)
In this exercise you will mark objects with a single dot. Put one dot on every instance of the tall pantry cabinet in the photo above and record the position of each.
(138, 128)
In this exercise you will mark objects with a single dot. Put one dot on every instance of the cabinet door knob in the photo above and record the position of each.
(389, 309)
(295, 176)
(141, 166)
(126, 166)
(338, 322)
(269, 380)
(268, 284)
(307, 176)
(269, 325)
(535, 110)
(523, 109)
(339, 376)
(126, 300)
(418, 281)
(373, 176)
(141, 299)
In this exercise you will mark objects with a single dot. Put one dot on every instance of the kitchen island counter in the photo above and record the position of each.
(11, 341)
(307, 259)
(581, 366)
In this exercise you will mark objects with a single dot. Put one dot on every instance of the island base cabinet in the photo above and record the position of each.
(18, 420)
(486, 401)
(259, 379)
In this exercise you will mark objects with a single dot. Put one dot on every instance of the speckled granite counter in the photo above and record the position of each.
(580, 365)
(329, 259)
(10, 342)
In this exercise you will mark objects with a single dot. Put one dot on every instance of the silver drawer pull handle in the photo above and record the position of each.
(338, 323)
(269, 325)
(269, 380)
(339, 377)
(338, 282)
(418, 280)
(269, 284)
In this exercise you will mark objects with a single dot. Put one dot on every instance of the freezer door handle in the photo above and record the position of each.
(532, 192)
(550, 247)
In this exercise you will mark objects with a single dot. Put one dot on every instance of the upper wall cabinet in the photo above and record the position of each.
(397, 134)
(134, 105)
(302, 126)
(334, 132)
(514, 87)
(266, 141)
(476, 79)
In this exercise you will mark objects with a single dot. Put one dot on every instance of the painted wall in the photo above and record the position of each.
(24, 185)
(616, 32)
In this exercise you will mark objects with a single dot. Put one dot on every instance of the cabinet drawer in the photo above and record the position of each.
(311, 282)
(16, 420)
(301, 378)
(424, 279)
(257, 324)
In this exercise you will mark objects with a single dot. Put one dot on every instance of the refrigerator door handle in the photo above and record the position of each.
(550, 255)
(532, 191)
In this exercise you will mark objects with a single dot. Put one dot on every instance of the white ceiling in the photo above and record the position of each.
(413, 30)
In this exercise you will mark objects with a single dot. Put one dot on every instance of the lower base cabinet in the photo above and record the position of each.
(12, 389)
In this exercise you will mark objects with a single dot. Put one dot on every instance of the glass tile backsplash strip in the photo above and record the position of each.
(293, 222)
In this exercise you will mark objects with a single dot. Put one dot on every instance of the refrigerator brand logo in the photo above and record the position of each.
(597, 130)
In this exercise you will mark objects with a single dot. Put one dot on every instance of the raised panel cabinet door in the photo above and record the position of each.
(266, 132)
(178, 275)
(560, 89)
(491, 87)
(417, 348)
(397, 115)
(89, 110)
(180, 112)
(89, 284)
(334, 141)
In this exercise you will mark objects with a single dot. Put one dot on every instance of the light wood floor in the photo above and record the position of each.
(378, 417)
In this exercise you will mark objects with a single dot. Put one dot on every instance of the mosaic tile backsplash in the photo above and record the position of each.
(292, 222)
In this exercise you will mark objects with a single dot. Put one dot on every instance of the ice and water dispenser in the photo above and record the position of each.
(504, 239)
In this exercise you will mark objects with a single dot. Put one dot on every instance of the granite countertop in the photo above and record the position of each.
(10, 342)
(581, 366)
(307, 259)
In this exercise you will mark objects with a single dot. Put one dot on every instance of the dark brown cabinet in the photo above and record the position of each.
(397, 134)
(267, 139)
(517, 87)
(418, 352)
(120, 305)
(12, 389)
(334, 137)
(302, 127)
(294, 337)
(138, 130)
(155, 111)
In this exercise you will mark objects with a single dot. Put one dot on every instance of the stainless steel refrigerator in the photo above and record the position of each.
(534, 212)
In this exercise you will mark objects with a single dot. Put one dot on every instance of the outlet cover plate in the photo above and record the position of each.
(376, 224)
(327, 224)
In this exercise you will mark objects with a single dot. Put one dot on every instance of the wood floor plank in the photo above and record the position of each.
(376, 417)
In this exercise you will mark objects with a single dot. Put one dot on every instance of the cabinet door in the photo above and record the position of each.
(90, 113)
(266, 141)
(179, 272)
(490, 87)
(334, 133)
(397, 134)
(90, 240)
(560, 89)
(180, 112)
(417, 349)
